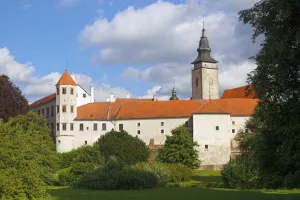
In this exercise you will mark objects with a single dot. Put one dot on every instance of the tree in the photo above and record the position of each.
(12, 102)
(124, 147)
(180, 148)
(27, 157)
(274, 139)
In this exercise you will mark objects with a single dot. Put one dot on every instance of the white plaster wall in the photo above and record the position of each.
(239, 123)
(80, 99)
(218, 141)
(50, 119)
(151, 128)
(64, 143)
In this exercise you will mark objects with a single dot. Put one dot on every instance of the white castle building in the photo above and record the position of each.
(75, 119)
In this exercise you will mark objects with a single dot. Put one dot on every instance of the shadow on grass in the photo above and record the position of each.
(169, 193)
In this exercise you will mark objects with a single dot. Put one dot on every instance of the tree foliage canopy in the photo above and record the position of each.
(12, 102)
(27, 157)
(180, 148)
(274, 138)
(124, 147)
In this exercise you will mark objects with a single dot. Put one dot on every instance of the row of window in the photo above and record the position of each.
(64, 91)
(121, 128)
(161, 124)
(218, 128)
(81, 127)
(64, 108)
(48, 113)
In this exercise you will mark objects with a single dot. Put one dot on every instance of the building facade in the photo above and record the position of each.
(75, 119)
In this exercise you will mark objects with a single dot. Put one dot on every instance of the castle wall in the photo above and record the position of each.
(151, 128)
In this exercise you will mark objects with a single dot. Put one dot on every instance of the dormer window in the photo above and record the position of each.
(64, 90)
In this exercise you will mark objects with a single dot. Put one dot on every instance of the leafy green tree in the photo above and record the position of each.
(180, 148)
(124, 147)
(12, 102)
(274, 131)
(27, 157)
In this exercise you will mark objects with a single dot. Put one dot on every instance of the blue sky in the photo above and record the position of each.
(120, 46)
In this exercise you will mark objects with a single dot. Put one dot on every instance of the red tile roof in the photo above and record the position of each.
(93, 111)
(234, 107)
(43, 100)
(66, 79)
(239, 92)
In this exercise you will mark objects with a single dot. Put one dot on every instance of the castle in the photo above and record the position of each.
(75, 119)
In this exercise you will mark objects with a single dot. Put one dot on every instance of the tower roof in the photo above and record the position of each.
(204, 50)
(66, 79)
(174, 95)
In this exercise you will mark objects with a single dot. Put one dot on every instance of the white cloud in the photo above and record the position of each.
(165, 37)
(68, 3)
(35, 87)
(26, 6)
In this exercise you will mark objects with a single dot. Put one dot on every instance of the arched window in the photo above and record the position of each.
(196, 82)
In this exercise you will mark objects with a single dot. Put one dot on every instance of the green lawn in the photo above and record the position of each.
(188, 191)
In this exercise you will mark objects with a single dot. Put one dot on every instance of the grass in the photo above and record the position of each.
(193, 189)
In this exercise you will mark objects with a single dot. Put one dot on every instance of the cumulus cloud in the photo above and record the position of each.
(35, 87)
(165, 36)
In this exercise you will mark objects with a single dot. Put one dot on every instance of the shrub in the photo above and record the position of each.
(69, 176)
(179, 173)
(115, 175)
(180, 148)
(160, 170)
(84, 154)
(241, 173)
(292, 180)
(124, 147)
(27, 157)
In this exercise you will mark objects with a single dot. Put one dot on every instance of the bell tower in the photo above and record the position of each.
(205, 74)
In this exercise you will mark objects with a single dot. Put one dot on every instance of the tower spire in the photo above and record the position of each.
(204, 49)
(174, 95)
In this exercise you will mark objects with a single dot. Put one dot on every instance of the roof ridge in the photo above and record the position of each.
(202, 105)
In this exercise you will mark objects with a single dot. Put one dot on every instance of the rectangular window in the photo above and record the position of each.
(95, 127)
(138, 132)
(57, 109)
(138, 124)
(57, 91)
(64, 108)
(120, 127)
(72, 127)
(233, 130)
(58, 141)
(81, 127)
(57, 126)
(206, 147)
(72, 91)
(85, 142)
(52, 128)
(72, 109)
(233, 122)
(52, 111)
(43, 112)
(64, 126)
(39, 112)
(103, 126)
(64, 90)
(47, 112)
(162, 131)
(217, 128)
(84, 95)
(162, 123)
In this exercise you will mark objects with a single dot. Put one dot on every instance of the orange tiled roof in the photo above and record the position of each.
(43, 100)
(93, 111)
(158, 109)
(234, 107)
(239, 92)
(66, 79)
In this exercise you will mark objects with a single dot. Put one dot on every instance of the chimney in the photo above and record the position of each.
(154, 98)
(111, 97)
(92, 95)
(73, 77)
(128, 96)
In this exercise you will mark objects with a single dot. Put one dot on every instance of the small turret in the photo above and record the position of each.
(174, 96)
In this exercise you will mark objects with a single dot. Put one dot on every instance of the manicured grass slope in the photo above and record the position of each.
(186, 192)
